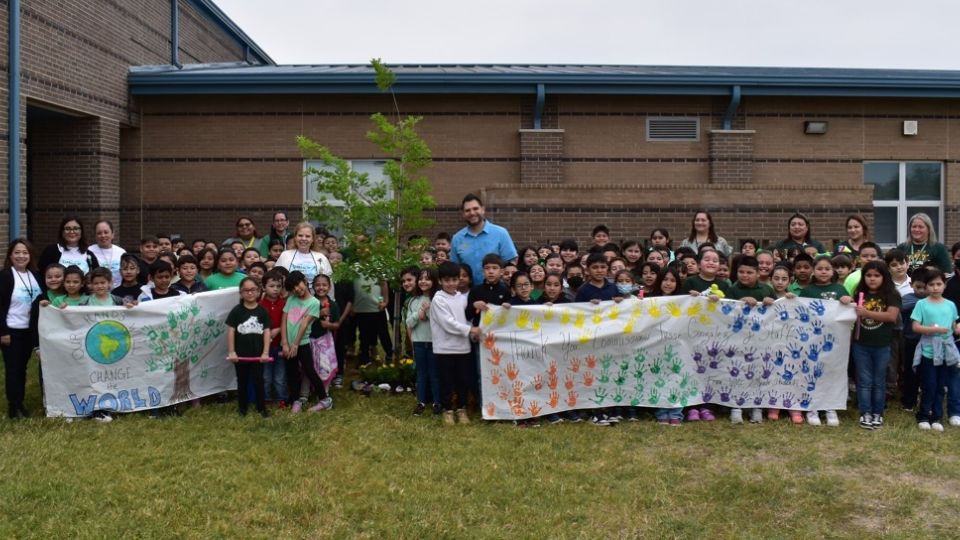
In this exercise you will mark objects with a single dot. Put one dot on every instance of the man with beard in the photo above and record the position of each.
(479, 238)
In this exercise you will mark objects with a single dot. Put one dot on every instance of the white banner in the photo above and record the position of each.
(153, 355)
(664, 352)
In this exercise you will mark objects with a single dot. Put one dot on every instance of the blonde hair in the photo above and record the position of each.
(931, 233)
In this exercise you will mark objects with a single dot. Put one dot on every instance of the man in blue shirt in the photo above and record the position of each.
(479, 238)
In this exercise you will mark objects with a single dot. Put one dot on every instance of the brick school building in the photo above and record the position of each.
(164, 116)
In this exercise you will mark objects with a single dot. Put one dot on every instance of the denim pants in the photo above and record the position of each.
(275, 377)
(871, 363)
(428, 378)
(665, 415)
(934, 380)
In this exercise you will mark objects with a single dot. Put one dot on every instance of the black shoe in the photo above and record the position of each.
(419, 409)
(437, 409)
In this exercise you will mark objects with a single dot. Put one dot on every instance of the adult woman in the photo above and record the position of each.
(19, 287)
(923, 246)
(856, 236)
(280, 230)
(246, 233)
(108, 255)
(70, 249)
(702, 231)
(303, 257)
(798, 235)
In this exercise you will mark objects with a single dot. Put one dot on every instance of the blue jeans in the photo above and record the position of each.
(933, 381)
(428, 378)
(275, 376)
(871, 364)
(665, 415)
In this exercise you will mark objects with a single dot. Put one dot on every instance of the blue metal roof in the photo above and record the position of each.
(215, 14)
(239, 78)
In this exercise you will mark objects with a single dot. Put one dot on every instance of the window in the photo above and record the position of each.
(900, 190)
(673, 128)
(373, 168)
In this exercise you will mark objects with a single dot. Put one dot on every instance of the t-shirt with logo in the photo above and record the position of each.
(875, 333)
(250, 325)
(297, 311)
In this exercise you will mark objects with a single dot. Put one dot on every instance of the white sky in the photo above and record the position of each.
(918, 34)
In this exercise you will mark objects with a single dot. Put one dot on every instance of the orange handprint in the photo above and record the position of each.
(490, 408)
(568, 383)
(538, 382)
(591, 361)
(554, 399)
(553, 367)
(534, 408)
(587, 378)
(574, 365)
(572, 398)
(517, 407)
(517, 389)
(495, 356)
(503, 393)
(512, 371)
(495, 377)
(552, 381)
(489, 340)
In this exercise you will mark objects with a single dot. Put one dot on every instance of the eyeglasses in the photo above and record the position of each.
(523, 285)
(72, 229)
(248, 224)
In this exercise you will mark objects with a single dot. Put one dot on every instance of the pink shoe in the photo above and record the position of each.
(322, 405)
(675, 422)
(693, 415)
(297, 406)
(706, 415)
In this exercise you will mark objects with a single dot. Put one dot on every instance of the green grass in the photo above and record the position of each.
(369, 469)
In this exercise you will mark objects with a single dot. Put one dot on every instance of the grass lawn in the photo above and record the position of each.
(369, 469)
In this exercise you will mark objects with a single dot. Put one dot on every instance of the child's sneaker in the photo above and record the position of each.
(462, 416)
(813, 418)
(955, 420)
(866, 421)
(322, 405)
(104, 417)
(832, 419)
(437, 409)
(555, 419)
(796, 417)
(599, 420)
(338, 382)
(675, 422)
(773, 414)
(924, 426)
(281, 404)
(418, 410)
(936, 426)
(448, 418)
(877, 421)
(756, 416)
(693, 415)
(736, 416)
(297, 406)
(706, 415)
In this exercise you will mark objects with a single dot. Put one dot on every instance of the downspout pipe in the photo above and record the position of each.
(732, 107)
(13, 118)
(538, 109)
(175, 33)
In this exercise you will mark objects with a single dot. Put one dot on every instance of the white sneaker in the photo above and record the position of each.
(813, 418)
(736, 416)
(937, 426)
(955, 420)
(832, 419)
(925, 426)
(756, 416)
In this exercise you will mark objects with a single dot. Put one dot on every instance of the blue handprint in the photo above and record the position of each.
(804, 367)
(782, 313)
(755, 325)
(749, 354)
(803, 335)
(778, 361)
(767, 371)
(787, 374)
(735, 368)
(762, 309)
(818, 371)
(724, 394)
(749, 373)
(813, 353)
(707, 393)
(726, 308)
(795, 351)
(817, 327)
(741, 399)
(746, 309)
(737, 324)
(811, 383)
(818, 308)
(805, 401)
(828, 343)
(788, 400)
(802, 314)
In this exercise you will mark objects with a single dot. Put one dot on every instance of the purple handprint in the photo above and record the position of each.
(788, 400)
(741, 399)
(818, 308)
(766, 356)
(767, 371)
(772, 398)
(735, 369)
(707, 393)
(813, 353)
(758, 400)
(730, 352)
(749, 354)
(724, 394)
(749, 373)
(802, 314)
(701, 367)
(805, 401)
(713, 349)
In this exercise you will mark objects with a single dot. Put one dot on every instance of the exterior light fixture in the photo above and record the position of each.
(815, 127)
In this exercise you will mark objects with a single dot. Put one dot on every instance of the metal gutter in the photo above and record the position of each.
(215, 14)
(13, 117)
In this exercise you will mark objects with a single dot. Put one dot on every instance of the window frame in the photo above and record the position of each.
(901, 204)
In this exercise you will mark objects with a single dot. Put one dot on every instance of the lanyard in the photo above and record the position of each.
(27, 283)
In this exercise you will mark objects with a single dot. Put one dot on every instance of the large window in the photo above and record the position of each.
(373, 168)
(900, 190)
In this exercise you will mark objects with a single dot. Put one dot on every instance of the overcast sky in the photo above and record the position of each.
(816, 33)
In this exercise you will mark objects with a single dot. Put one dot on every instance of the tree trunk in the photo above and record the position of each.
(181, 382)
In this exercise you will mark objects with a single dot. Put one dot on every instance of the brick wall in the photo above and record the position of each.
(731, 156)
(541, 154)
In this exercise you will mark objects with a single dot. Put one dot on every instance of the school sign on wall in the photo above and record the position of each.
(156, 354)
(664, 352)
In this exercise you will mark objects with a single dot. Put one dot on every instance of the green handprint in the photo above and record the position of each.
(676, 366)
(656, 367)
(640, 358)
(606, 360)
(618, 397)
(683, 402)
(673, 398)
(638, 389)
(684, 381)
(624, 365)
(604, 376)
(654, 396)
(660, 383)
(600, 395)
(635, 402)
(638, 374)
(668, 352)
(621, 378)
(694, 391)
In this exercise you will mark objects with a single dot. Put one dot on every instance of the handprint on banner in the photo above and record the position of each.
(782, 314)
(803, 335)
(654, 310)
(568, 382)
(701, 365)
(534, 408)
(817, 328)
(554, 399)
(491, 408)
(548, 314)
(779, 359)
(805, 401)
(624, 364)
(755, 325)
(794, 350)
(673, 397)
(572, 398)
(502, 317)
(503, 393)
(750, 373)
(757, 400)
(767, 370)
(489, 341)
(597, 317)
(588, 379)
(565, 316)
(604, 376)
(538, 382)
(575, 364)
(628, 327)
(495, 356)
(813, 353)
(654, 396)
(741, 399)
(599, 395)
(818, 307)
(707, 393)
(804, 367)
(762, 309)
(827, 345)
(787, 375)
(726, 308)
(606, 361)
(713, 351)
(660, 383)
(788, 400)
(749, 354)
(693, 310)
(614, 313)
(730, 352)
(737, 325)
(579, 319)
(523, 318)
(638, 374)
(673, 309)
(621, 378)
(535, 325)
(811, 383)
(552, 381)
(552, 368)
(584, 338)
(734, 369)
(487, 318)
(656, 367)
(591, 361)
(512, 371)
(494, 376)
(725, 393)
(676, 366)
(803, 314)
(746, 309)
(618, 397)
(771, 398)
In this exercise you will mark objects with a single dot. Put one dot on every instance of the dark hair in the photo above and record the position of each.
(802, 256)
(872, 245)
(129, 258)
(293, 279)
(101, 272)
(887, 288)
(895, 255)
(160, 266)
(842, 260)
(703, 252)
(566, 269)
(517, 275)
(859, 219)
(595, 258)
(684, 251)
(187, 259)
(920, 275)
(935, 273)
(467, 198)
(443, 236)
(569, 244)
(654, 267)
(252, 222)
(281, 270)
(662, 231)
(31, 264)
(203, 253)
(669, 270)
(492, 258)
(600, 228)
(82, 243)
(149, 239)
(798, 215)
(610, 246)
(164, 235)
(431, 274)
(750, 241)
(523, 251)
(321, 275)
(448, 269)
(551, 256)
(711, 233)
(274, 275)
(73, 269)
(201, 240)
(258, 264)
(748, 260)
(251, 280)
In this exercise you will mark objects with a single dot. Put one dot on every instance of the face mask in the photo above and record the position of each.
(624, 288)
(575, 281)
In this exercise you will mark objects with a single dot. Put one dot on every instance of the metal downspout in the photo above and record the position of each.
(13, 118)
(732, 107)
(175, 33)
(538, 110)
